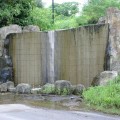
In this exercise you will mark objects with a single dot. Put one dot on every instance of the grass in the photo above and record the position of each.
(104, 98)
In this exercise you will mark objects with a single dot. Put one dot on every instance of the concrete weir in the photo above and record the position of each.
(77, 55)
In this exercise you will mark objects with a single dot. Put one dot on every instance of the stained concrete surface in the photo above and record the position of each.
(23, 112)
(77, 55)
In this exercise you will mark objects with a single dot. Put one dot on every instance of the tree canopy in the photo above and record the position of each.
(25, 12)
(42, 17)
(66, 8)
(96, 9)
(15, 12)
(39, 3)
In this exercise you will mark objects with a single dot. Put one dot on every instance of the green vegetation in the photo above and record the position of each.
(42, 18)
(96, 9)
(66, 8)
(65, 14)
(48, 89)
(64, 91)
(39, 3)
(63, 22)
(105, 98)
(26, 12)
(15, 12)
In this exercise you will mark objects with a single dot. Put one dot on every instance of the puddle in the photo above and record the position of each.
(50, 101)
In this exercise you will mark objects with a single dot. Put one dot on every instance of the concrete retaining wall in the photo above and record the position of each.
(77, 55)
(80, 53)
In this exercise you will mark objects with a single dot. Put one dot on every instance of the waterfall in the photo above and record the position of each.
(51, 35)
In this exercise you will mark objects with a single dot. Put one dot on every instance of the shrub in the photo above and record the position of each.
(48, 89)
(105, 96)
(65, 23)
(63, 91)
(15, 12)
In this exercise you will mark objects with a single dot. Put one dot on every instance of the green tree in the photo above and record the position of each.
(39, 3)
(66, 8)
(42, 17)
(96, 9)
(15, 12)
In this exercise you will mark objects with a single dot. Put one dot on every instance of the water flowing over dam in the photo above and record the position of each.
(51, 56)
(76, 54)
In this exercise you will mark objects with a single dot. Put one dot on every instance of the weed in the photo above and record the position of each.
(104, 96)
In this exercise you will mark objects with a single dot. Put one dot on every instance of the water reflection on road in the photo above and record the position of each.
(49, 101)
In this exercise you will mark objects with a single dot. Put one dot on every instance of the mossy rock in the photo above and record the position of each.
(78, 89)
(63, 87)
(48, 89)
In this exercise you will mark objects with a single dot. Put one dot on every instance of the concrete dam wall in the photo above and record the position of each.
(77, 55)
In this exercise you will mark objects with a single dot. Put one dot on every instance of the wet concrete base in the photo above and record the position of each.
(46, 107)
(23, 112)
(71, 102)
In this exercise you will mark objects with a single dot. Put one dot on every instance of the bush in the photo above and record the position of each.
(105, 96)
(65, 22)
(42, 18)
(63, 91)
(15, 12)
(48, 89)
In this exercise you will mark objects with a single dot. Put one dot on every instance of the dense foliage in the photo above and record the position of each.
(96, 9)
(62, 22)
(24, 12)
(39, 3)
(107, 96)
(15, 12)
(42, 18)
(66, 8)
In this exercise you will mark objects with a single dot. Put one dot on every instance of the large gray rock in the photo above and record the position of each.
(23, 88)
(78, 89)
(63, 87)
(4, 31)
(12, 90)
(10, 85)
(104, 77)
(31, 28)
(113, 18)
(48, 89)
(102, 20)
(3, 87)
(36, 90)
(6, 74)
(8, 61)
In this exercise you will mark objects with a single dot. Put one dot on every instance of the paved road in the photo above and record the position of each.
(22, 112)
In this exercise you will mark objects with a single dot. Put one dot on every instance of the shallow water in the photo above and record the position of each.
(47, 101)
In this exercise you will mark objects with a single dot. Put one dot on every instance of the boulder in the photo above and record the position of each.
(2, 63)
(6, 43)
(6, 74)
(8, 61)
(104, 77)
(63, 87)
(10, 84)
(113, 18)
(31, 28)
(102, 20)
(23, 88)
(35, 90)
(3, 87)
(12, 89)
(48, 89)
(4, 31)
(78, 89)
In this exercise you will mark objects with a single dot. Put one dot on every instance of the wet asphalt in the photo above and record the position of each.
(23, 112)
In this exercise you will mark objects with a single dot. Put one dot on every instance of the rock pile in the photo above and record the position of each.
(60, 87)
